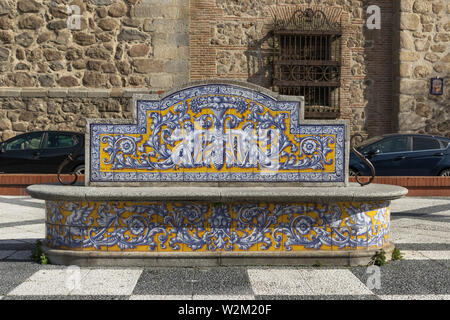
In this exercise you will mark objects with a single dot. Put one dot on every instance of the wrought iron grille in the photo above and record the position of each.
(307, 61)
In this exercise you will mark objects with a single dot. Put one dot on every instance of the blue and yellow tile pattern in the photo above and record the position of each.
(217, 132)
(202, 226)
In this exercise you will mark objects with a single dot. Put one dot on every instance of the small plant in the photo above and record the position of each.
(396, 254)
(44, 259)
(318, 264)
(38, 255)
(36, 252)
(380, 258)
(217, 204)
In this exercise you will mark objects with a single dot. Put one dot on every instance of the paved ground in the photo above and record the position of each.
(420, 229)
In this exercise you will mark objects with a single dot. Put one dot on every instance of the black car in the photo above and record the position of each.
(403, 155)
(41, 152)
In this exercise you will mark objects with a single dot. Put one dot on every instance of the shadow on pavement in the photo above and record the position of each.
(22, 202)
(18, 244)
(423, 213)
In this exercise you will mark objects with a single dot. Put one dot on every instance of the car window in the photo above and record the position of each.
(29, 141)
(424, 143)
(367, 142)
(394, 144)
(61, 140)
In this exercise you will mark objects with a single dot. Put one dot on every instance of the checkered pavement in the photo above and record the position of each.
(420, 229)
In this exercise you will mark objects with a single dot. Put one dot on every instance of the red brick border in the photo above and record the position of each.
(417, 186)
(15, 184)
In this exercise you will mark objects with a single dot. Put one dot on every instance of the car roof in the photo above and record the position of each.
(38, 131)
(59, 131)
(375, 139)
(413, 135)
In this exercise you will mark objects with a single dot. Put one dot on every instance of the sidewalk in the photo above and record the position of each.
(420, 228)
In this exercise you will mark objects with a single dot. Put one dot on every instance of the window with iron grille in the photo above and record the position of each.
(307, 61)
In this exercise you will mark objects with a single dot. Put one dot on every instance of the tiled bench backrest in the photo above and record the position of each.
(216, 132)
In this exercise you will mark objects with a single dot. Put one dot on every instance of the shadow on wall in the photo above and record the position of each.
(377, 68)
(259, 56)
(366, 96)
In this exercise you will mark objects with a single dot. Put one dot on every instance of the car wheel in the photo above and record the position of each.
(79, 169)
(353, 173)
(445, 173)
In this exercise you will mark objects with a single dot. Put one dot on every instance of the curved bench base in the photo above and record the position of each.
(214, 259)
(216, 226)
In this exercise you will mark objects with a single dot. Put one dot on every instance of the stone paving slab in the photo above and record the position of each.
(416, 297)
(316, 297)
(419, 227)
(10, 233)
(91, 282)
(6, 253)
(20, 255)
(19, 244)
(410, 277)
(425, 255)
(306, 282)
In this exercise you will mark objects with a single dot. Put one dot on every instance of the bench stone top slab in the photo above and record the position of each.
(353, 192)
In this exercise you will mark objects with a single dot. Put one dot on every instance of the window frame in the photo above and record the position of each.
(427, 138)
(301, 27)
(6, 143)
(408, 143)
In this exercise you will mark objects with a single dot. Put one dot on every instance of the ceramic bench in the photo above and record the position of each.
(216, 173)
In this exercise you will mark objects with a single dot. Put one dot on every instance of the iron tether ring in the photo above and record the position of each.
(363, 158)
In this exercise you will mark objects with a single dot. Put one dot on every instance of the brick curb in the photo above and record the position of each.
(16, 184)
(416, 185)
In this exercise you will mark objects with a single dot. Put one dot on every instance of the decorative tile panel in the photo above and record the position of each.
(217, 132)
(203, 226)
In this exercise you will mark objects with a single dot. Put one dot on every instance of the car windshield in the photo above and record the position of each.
(365, 143)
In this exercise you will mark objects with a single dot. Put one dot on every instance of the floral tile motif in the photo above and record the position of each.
(57, 236)
(217, 132)
(203, 226)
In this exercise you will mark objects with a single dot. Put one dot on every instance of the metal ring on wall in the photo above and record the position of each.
(363, 158)
(68, 160)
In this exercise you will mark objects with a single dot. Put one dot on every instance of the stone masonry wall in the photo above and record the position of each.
(423, 31)
(25, 110)
(52, 77)
(122, 43)
(231, 39)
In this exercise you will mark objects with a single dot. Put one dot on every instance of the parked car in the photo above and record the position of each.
(41, 152)
(403, 155)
